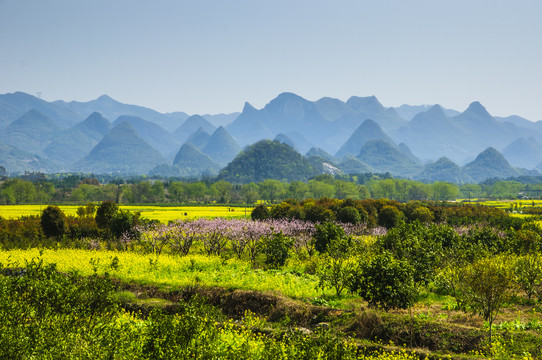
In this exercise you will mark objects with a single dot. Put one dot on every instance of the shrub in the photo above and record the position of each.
(53, 222)
(389, 216)
(349, 214)
(260, 212)
(385, 282)
(104, 214)
(325, 233)
(276, 249)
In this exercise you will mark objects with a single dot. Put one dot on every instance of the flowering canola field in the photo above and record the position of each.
(161, 213)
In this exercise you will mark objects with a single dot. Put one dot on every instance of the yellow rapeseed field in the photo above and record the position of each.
(161, 213)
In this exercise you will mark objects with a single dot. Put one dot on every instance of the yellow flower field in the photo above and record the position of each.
(161, 213)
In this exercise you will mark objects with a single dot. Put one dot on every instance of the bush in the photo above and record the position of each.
(260, 212)
(385, 282)
(276, 249)
(389, 217)
(349, 214)
(104, 214)
(325, 233)
(422, 214)
(53, 222)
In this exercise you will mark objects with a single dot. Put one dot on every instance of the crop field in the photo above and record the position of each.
(161, 213)
(173, 272)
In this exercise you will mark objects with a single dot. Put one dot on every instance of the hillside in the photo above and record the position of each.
(121, 151)
(489, 164)
(443, 169)
(191, 162)
(267, 159)
(31, 132)
(368, 130)
(385, 157)
(221, 147)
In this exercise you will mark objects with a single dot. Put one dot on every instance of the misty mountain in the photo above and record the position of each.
(385, 157)
(314, 151)
(221, 147)
(121, 151)
(16, 161)
(32, 132)
(490, 164)
(199, 138)
(190, 126)
(370, 108)
(15, 105)
(191, 162)
(368, 130)
(352, 165)
(524, 152)
(153, 134)
(112, 109)
(443, 169)
(408, 112)
(221, 119)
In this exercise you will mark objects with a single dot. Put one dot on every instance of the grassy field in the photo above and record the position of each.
(161, 213)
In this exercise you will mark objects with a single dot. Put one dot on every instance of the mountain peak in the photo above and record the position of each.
(248, 107)
(477, 109)
(105, 98)
(436, 111)
(363, 103)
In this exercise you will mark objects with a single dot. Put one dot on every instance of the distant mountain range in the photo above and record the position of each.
(423, 142)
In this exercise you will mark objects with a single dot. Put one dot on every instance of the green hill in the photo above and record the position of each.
(31, 132)
(489, 164)
(385, 157)
(368, 130)
(443, 169)
(353, 165)
(18, 161)
(191, 125)
(199, 138)
(73, 144)
(121, 151)
(191, 162)
(221, 147)
(267, 159)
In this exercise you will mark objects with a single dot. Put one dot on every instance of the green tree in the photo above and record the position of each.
(334, 267)
(345, 189)
(53, 222)
(195, 191)
(488, 285)
(385, 282)
(349, 214)
(276, 249)
(389, 216)
(260, 212)
(320, 189)
(325, 234)
(223, 189)
(444, 191)
(250, 193)
(176, 192)
(528, 274)
(298, 190)
(272, 190)
(105, 213)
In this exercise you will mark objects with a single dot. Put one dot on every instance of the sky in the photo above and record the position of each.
(210, 56)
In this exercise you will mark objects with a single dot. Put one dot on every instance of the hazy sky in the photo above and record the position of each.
(211, 56)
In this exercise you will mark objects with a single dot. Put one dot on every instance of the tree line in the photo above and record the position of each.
(79, 189)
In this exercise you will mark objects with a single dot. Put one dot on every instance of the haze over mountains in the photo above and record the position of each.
(424, 142)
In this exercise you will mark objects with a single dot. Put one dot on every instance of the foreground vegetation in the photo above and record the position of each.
(311, 279)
